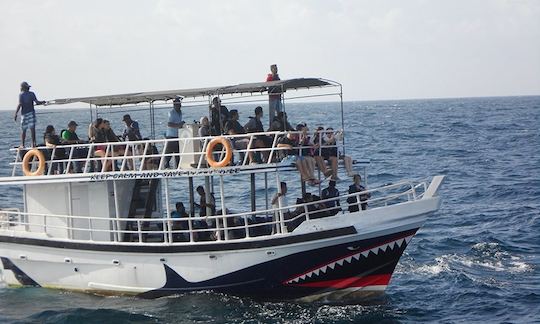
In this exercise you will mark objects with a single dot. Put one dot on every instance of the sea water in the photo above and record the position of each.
(476, 260)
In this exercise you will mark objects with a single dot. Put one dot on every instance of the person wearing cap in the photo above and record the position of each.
(174, 123)
(131, 132)
(69, 136)
(28, 115)
(331, 192)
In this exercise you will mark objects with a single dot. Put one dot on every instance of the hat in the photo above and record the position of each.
(126, 117)
(177, 100)
(72, 123)
(25, 84)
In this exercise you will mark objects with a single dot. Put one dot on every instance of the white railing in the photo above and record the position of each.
(224, 227)
(137, 156)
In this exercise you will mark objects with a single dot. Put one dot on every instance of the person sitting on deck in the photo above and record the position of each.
(105, 134)
(331, 153)
(316, 151)
(180, 223)
(352, 200)
(280, 123)
(131, 131)
(51, 140)
(290, 144)
(93, 129)
(69, 136)
(219, 115)
(331, 192)
(254, 125)
(233, 127)
(204, 130)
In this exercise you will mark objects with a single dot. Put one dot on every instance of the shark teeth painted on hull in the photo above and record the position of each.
(350, 258)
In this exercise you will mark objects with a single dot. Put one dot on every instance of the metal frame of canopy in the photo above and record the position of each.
(151, 97)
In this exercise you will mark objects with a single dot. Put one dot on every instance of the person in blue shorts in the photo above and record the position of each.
(28, 115)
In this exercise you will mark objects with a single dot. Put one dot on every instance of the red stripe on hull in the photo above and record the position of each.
(373, 280)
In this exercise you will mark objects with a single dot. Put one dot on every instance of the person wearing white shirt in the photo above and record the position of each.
(174, 123)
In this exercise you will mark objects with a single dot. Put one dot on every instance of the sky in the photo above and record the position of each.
(377, 49)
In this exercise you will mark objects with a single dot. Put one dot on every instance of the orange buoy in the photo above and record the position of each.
(228, 152)
(26, 168)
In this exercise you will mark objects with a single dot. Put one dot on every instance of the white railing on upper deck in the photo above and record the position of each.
(223, 227)
(144, 155)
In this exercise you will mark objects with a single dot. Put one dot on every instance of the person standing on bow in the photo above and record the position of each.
(274, 94)
(28, 115)
(174, 123)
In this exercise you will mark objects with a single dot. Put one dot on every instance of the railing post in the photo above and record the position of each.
(223, 208)
(139, 230)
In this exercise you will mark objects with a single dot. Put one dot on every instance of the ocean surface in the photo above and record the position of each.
(476, 260)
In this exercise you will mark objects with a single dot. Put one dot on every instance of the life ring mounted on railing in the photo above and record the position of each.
(228, 152)
(27, 159)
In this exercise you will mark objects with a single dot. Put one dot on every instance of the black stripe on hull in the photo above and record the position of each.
(213, 247)
(306, 273)
(21, 277)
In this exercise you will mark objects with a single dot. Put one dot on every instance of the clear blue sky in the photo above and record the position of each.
(377, 49)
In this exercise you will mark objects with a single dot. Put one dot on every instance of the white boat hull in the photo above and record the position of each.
(343, 255)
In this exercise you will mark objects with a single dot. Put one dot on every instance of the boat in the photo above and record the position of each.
(103, 225)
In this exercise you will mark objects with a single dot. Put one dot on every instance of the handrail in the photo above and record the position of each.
(148, 154)
(144, 229)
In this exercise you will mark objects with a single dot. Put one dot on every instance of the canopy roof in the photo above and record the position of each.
(138, 97)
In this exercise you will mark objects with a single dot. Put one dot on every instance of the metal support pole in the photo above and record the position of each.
(116, 211)
(191, 197)
(168, 208)
(266, 192)
(70, 207)
(253, 203)
(223, 208)
(282, 228)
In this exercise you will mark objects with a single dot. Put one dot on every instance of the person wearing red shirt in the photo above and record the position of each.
(274, 94)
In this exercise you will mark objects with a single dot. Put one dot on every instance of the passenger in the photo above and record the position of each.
(331, 192)
(131, 131)
(233, 127)
(203, 204)
(180, 223)
(254, 125)
(329, 151)
(52, 140)
(211, 204)
(280, 123)
(28, 114)
(175, 122)
(309, 150)
(151, 162)
(69, 136)
(274, 93)
(290, 143)
(93, 129)
(117, 149)
(331, 154)
(219, 115)
(352, 200)
(204, 130)
(316, 152)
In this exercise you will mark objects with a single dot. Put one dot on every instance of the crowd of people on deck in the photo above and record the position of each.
(307, 151)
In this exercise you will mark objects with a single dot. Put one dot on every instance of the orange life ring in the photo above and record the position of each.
(228, 152)
(33, 153)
